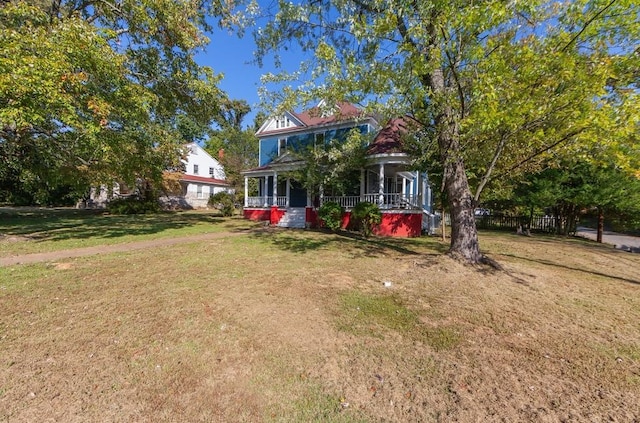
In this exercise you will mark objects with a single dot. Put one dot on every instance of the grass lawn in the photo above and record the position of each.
(287, 325)
(44, 230)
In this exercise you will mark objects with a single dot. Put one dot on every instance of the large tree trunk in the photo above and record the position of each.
(464, 234)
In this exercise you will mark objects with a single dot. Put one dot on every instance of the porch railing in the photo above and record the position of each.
(267, 201)
(347, 201)
(388, 201)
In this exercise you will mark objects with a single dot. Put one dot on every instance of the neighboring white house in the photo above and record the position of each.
(203, 177)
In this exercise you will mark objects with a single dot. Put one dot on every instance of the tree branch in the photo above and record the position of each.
(492, 165)
(452, 67)
(545, 149)
(586, 25)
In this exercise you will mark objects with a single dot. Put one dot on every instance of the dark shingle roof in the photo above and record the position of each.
(389, 139)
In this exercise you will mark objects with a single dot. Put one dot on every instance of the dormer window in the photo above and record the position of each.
(327, 112)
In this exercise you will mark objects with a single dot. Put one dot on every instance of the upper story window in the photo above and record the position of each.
(282, 146)
(282, 122)
(195, 169)
(211, 172)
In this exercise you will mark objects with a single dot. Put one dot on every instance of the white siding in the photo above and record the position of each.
(198, 156)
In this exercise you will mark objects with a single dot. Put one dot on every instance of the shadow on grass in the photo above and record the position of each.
(545, 238)
(351, 243)
(57, 225)
(577, 269)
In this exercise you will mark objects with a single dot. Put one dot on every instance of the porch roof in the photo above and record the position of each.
(275, 166)
(203, 180)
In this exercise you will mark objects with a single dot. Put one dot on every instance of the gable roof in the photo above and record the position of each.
(195, 149)
(316, 116)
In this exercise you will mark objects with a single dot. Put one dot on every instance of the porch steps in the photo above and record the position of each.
(295, 217)
(429, 222)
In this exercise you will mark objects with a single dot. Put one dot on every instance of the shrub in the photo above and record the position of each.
(331, 215)
(224, 202)
(366, 216)
(133, 205)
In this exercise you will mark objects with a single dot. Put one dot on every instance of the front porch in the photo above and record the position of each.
(385, 201)
(403, 197)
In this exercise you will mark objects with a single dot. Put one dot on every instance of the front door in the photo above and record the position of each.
(297, 195)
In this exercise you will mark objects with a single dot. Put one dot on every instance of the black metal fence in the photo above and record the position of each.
(546, 224)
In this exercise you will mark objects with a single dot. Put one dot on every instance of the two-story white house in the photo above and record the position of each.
(203, 176)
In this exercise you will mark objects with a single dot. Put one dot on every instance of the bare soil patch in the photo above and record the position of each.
(299, 326)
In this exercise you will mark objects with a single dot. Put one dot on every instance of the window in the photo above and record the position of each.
(282, 146)
(199, 191)
(211, 172)
(319, 140)
(195, 169)
(282, 122)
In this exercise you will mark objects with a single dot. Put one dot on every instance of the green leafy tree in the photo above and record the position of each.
(239, 146)
(499, 87)
(97, 91)
(580, 186)
(333, 166)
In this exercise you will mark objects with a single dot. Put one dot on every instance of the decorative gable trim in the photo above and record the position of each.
(285, 122)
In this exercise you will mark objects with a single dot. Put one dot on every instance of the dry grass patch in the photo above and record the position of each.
(298, 326)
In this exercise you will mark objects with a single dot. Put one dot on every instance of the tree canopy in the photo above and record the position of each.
(500, 87)
(239, 146)
(97, 91)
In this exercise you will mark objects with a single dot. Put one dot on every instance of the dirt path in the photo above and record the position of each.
(105, 249)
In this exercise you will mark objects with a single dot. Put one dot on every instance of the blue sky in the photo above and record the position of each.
(230, 55)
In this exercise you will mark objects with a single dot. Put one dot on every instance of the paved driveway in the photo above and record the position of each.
(621, 242)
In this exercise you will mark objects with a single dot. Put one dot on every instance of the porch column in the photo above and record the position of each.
(425, 193)
(321, 189)
(420, 189)
(404, 189)
(265, 192)
(246, 191)
(288, 191)
(381, 185)
(275, 189)
(362, 184)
